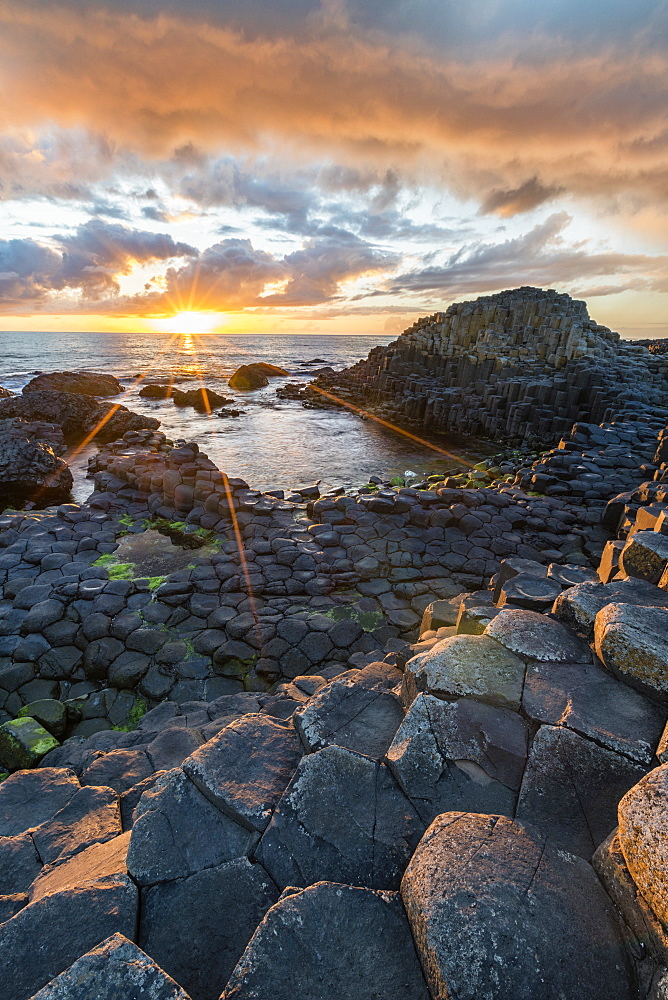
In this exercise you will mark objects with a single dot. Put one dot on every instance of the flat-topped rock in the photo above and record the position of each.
(578, 606)
(496, 911)
(466, 666)
(632, 642)
(645, 556)
(593, 703)
(30, 798)
(84, 383)
(533, 636)
(300, 944)
(245, 768)
(356, 710)
(100, 860)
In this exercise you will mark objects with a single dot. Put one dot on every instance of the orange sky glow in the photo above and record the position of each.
(328, 167)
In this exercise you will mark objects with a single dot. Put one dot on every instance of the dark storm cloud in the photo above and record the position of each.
(539, 257)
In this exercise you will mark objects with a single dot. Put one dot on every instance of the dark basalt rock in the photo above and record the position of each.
(202, 399)
(155, 391)
(301, 943)
(30, 465)
(77, 415)
(496, 911)
(255, 375)
(84, 383)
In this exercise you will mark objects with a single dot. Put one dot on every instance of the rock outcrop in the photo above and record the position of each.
(76, 414)
(30, 462)
(84, 383)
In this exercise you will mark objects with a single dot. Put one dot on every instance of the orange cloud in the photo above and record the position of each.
(592, 124)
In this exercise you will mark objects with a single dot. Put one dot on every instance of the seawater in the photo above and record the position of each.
(275, 443)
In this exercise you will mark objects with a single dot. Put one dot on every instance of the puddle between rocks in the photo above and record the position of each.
(154, 554)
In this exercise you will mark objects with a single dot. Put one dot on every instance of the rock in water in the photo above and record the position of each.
(29, 462)
(255, 376)
(83, 383)
(330, 940)
(202, 399)
(496, 911)
(116, 968)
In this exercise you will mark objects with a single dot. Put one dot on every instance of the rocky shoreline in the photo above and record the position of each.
(401, 741)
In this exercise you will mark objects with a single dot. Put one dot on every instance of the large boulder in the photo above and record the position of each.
(578, 606)
(245, 768)
(459, 755)
(83, 383)
(496, 911)
(77, 415)
(255, 375)
(344, 817)
(356, 710)
(645, 556)
(215, 911)
(30, 465)
(331, 940)
(468, 666)
(632, 642)
(643, 837)
(571, 787)
(47, 936)
(115, 968)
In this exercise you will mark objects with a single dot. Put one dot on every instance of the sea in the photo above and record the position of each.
(275, 443)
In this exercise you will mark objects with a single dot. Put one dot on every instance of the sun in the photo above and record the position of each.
(188, 321)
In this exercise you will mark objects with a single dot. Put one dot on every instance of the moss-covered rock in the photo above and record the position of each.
(23, 743)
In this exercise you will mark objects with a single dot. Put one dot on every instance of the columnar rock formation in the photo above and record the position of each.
(521, 366)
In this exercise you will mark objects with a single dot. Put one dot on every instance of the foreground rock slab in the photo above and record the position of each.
(342, 816)
(496, 912)
(632, 643)
(116, 968)
(331, 940)
(215, 911)
(643, 837)
(46, 937)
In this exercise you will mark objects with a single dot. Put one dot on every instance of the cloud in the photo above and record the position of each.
(529, 195)
(88, 261)
(540, 257)
(531, 102)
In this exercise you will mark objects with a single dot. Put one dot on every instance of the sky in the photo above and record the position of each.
(323, 166)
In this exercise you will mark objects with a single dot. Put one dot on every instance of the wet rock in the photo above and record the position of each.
(643, 838)
(84, 383)
(203, 400)
(466, 666)
(216, 911)
(23, 743)
(30, 465)
(631, 641)
(356, 710)
(571, 788)
(298, 948)
(30, 798)
(162, 846)
(155, 391)
(496, 911)
(533, 636)
(77, 415)
(462, 754)
(91, 816)
(594, 704)
(115, 968)
(62, 927)
(248, 377)
(245, 768)
(342, 816)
